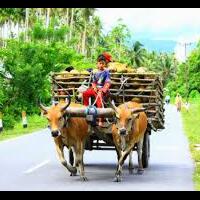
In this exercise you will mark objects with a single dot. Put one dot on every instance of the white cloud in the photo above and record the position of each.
(158, 22)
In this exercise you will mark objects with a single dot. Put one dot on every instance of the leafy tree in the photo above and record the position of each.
(137, 54)
(116, 41)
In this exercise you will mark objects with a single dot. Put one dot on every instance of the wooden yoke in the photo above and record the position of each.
(82, 112)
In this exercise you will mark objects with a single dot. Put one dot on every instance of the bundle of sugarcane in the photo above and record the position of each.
(62, 74)
(75, 72)
(117, 67)
(131, 70)
(141, 70)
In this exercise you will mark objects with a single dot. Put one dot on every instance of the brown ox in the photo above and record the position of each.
(71, 133)
(129, 129)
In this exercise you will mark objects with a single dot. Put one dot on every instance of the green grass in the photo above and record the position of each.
(35, 123)
(191, 123)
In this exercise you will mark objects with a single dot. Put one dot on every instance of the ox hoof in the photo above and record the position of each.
(84, 178)
(140, 171)
(117, 178)
(73, 174)
(130, 170)
(74, 171)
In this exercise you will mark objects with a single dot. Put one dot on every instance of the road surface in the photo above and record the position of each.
(30, 163)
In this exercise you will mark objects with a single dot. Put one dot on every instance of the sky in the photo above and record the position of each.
(178, 24)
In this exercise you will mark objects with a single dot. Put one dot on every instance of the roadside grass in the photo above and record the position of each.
(34, 122)
(191, 123)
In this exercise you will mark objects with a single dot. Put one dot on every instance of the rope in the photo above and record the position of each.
(98, 95)
(120, 89)
(96, 99)
(60, 86)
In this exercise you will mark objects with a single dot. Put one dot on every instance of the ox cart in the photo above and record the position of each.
(124, 87)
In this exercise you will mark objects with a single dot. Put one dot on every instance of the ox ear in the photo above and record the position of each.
(44, 109)
(137, 110)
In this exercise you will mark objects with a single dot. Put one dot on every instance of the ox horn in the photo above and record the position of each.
(43, 107)
(112, 105)
(136, 110)
(68, 103)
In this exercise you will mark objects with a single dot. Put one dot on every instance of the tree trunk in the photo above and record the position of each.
(48, 17)
(119, 50)
(17, 27)
(78, 45)
(67, 19)
(1, 36)
(83, 40)
(67, 24)
(94, 46)
(40, 12)
(71, 24)
(26, 24)
(5, 33)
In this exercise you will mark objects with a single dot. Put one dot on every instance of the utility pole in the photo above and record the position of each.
(185, 44)
(185, 47)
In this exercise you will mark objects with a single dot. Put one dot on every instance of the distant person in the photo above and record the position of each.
(167, 99)
(187, 106)
(178, 102)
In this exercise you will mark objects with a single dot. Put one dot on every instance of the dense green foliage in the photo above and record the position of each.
(53, 38)
(187, 77)
(29, 65)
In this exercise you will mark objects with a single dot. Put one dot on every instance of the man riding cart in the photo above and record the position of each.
(100, 84)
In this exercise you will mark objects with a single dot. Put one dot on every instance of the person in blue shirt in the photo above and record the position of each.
(100, 84)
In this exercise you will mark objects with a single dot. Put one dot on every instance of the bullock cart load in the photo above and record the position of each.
(136, 85)
(139, 86)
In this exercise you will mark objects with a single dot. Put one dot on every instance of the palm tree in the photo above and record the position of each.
(167, 67)
(96, 29)
(71, 23)
(10, 18)
(136, 54)
(86, 13)
(94, 33)
(26, 24)
(78, 30)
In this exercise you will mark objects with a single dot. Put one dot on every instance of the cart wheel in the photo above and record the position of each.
(71, 157)
(146, 150)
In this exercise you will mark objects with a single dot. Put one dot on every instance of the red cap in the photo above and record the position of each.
(107, 56)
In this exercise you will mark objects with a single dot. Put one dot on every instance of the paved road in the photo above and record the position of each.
(30, 163)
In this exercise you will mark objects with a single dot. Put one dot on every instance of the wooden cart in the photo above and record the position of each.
(124, 87)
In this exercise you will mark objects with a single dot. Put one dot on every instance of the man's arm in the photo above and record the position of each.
(107, 83)
(94, 86)
(106, 87)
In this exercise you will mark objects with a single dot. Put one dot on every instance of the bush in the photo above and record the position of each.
(8, 122)
(194, 94)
